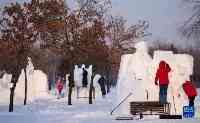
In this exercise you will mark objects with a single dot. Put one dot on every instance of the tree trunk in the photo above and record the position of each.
(49, 80)
(71, 82)
(108, 78)
(12, 91)
(90, 92)
(26, 86)
(49, 84)
(69, 95)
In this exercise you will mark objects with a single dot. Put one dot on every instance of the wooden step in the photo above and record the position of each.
(170, 116)
(123, 118)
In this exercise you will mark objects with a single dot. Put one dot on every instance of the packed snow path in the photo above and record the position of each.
(52, 110)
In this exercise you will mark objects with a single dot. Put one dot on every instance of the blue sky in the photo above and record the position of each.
(165, 16)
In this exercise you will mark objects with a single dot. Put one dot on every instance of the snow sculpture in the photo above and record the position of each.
(20, 87)
(137, 72)
(95, 81)
(182, 68)
(96, 84)
(5, 89)
(40, 83)
(133, 77)
(78, 76)
(67, 80)
(89, 77)
(37, 85)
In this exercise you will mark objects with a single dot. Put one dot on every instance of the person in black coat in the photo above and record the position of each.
(102, 82)
(85, 79)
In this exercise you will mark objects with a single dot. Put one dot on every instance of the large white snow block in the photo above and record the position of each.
(137, 73)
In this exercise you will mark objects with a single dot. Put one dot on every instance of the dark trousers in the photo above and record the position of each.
(163, 94)
(191, 101)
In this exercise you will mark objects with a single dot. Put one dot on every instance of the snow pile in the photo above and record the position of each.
(137, 73)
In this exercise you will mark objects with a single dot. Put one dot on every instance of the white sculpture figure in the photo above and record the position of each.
(67, 83)
(76, 76)
(140, 62)
(133, 77)
(95, 82)
(89, 77)
(30, 67)
(83, 66)
(67, 80)
(30, 74)
(84, 91)
(77, 80)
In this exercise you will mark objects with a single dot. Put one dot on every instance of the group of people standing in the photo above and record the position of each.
(163, 79)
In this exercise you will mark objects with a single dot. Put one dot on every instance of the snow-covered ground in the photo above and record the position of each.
(51, 110)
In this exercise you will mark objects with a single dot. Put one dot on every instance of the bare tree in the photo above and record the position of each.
(123, 37)
(17, 37)
(191, 27)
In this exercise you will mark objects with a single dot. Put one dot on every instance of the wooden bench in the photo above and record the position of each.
(149, 108)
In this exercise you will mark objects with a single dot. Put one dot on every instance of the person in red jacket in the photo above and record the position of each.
(190, 91)
(162, 77)
(59, 86)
